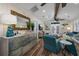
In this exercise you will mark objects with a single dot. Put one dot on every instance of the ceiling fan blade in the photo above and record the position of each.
(42, 4)
(64, 4)
(56, 10)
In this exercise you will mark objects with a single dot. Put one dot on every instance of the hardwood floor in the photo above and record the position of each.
(38, 50)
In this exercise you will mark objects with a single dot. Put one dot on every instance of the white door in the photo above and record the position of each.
(55, 29)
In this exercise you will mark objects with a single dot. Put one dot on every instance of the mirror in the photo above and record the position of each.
(22, 21)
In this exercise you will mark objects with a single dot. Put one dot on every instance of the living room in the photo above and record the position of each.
(39, 29)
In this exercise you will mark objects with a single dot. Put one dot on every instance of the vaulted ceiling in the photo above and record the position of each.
(46, 12)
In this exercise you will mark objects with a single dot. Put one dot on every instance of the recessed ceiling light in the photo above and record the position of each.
(44, 10)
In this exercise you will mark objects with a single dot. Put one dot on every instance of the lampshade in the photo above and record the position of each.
(8, 19)
(68, 28)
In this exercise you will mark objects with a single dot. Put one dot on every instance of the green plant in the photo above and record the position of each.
(30, 25)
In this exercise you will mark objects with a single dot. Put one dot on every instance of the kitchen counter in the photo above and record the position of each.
(18, 35)
(19, 44)
(26, 33)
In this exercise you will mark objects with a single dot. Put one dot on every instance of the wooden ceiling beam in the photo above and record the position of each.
(56, 10)
(18, 14)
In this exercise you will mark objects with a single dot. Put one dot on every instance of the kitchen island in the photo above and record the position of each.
(17, 45)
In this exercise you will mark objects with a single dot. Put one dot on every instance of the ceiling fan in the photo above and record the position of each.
(57, 5)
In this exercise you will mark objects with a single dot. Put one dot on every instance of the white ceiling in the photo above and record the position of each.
(70, 12)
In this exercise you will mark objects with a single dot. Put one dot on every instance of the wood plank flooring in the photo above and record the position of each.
(38, 50)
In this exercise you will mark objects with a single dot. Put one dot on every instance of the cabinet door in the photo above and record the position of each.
(15, 43)
(3, 47)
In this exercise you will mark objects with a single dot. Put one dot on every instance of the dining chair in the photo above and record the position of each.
(72, 48)
(51, 44)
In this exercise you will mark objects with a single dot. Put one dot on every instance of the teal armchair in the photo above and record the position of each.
(72, 48)
(51, 44)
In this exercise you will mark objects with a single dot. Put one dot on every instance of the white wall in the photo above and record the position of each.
(76, 25)
(5, 9)
(1, 30)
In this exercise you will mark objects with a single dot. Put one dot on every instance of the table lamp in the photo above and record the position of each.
(8, 19)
